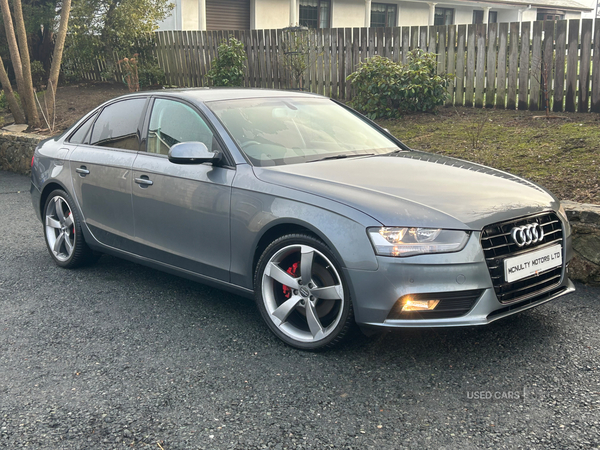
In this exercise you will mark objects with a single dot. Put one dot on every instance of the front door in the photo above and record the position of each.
(181, 211)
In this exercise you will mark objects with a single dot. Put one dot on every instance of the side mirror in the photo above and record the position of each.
(192, 153)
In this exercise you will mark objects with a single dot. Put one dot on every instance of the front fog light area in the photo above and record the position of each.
(435, 305)
(404, 241)
(418, 305)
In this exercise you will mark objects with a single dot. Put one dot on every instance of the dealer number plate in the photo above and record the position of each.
(532, 263)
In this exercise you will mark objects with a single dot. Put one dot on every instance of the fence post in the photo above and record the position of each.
(584, 64)
(513, 65)
(559, 71)
(502, 64)
(490, 91)
(547, 59)
(460, 66)
(405, 44)
(524, 66)
(572, 61)
(423, 37)
(480, 73)
(536, 66)
(442, 49)
(348, 69)
(327, 60)
(414, 37)
(450, 69)
(596, 69)
(470, 65)
(397, 42)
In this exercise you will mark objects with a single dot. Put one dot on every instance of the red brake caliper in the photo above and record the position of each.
(287, 292)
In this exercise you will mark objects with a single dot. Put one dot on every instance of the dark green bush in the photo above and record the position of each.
(385, 89)
(228, 69)
(4, 101)
(37, 74)
(150, 74)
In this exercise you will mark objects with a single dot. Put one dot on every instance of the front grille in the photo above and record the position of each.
(498, 245)
(452, 304)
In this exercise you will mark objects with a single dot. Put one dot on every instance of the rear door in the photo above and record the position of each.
(182, 211)
(101, 171)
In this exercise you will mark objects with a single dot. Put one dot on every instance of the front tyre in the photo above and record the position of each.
(301, 293)
(62, 230)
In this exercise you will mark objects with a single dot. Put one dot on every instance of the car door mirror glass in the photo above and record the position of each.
(191, 153)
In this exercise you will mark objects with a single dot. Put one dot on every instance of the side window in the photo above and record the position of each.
(117, 125)
(82, 133)
(173, 122)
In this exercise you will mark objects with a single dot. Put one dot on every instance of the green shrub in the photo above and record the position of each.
(385, 89)
(37, 74)
(4, 102)
(150, 74)
(228, 69)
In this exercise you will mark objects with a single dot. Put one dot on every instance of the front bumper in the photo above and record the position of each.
(375, 293)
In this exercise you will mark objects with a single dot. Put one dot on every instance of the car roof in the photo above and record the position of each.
(219, 94)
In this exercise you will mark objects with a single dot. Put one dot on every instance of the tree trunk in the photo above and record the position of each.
(13, 104)
(33, 118)
(13, 48)
(59, 46)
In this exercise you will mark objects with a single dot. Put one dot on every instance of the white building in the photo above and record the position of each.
(269, 14)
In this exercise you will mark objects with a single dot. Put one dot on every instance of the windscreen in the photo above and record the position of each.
(275, 131)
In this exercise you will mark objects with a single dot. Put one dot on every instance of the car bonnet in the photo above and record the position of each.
(416, 189)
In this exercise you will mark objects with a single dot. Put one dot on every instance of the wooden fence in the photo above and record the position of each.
(516, 65)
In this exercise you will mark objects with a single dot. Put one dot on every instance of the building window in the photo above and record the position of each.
(383, 15)
(315, 13)
(550, 14)
(478, 17)
(444, 16)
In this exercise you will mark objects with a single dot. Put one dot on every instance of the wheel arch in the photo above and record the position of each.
(46, 190)
(277, 229)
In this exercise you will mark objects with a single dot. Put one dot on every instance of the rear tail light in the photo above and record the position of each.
(32, 158)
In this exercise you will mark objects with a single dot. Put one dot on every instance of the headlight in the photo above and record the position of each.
(563, 214)
(397, 241)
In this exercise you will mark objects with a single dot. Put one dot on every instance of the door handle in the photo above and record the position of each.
(144, 181)
(82, 171)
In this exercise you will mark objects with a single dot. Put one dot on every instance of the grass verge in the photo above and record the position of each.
(561, 154)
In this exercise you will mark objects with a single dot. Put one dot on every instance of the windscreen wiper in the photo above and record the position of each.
(341, 156)
(395, 152)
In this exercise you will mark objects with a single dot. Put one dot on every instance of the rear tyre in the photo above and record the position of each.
(301, 293)
(62, 230)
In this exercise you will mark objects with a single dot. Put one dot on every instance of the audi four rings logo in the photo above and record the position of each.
(527, 234)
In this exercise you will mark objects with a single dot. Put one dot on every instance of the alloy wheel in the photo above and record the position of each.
(60, 228)
(303, 293)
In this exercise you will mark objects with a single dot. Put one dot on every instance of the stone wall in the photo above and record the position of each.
(16, 150)
(585, 221)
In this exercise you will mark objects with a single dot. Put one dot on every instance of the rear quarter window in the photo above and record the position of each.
(81, 136)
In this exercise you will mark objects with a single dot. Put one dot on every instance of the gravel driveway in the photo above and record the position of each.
(121, 356)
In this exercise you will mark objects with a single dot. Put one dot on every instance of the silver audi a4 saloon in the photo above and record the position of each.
(293, 199)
